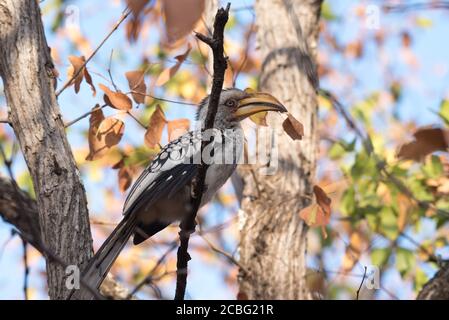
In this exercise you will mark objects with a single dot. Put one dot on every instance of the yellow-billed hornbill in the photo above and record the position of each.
(161, 195)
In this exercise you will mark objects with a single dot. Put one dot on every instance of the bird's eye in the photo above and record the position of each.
(231, 103)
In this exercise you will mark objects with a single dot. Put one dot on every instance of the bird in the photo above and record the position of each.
(161, 195)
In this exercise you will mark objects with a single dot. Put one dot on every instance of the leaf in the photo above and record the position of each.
(76, 65)
(405, 260)
(379, 256)
(89, 81)
(168, 73)
(124, 175)
(136, 6)
(406, 39)
(153, 134)
(104, 133)
(427, 140)
(357, 244)
(177, 128)
(293, 127)
(319, 212)
(117, 100)
(181, 17)
(136, 84)
(444, 111)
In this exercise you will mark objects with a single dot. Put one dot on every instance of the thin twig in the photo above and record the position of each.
(403, 7)
(110, 70)
(164, 99)
(149, 278)
(26, 269)
(125, 14)
(68, 124)
(5, 120)
(136, 119)
(361, 284)
(188, 224)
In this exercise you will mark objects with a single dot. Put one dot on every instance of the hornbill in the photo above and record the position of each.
(162, 193)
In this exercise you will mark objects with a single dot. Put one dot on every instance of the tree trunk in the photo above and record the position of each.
(273, 237)
(436, 288)
(26, 69)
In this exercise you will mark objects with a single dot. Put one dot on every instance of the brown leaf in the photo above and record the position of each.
(177, 128)
(181, 17)
(124, 178)
(76, 65)
(104, 133)
(427, 141)
(168, 73)
(136, 6)
(89, 81)
(357, 244)
(406, 39)
(136, 84)
(319, 212)
(117, 100)
(153, 134)
(293, 127)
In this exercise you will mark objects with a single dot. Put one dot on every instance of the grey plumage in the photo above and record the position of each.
(161, 194)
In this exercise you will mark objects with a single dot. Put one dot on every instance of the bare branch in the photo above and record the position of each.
(68, 124)
(188, 225)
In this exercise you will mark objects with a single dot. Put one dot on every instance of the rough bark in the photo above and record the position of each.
(273, 238)
(20, 210)
(26, 70)
(438, 287)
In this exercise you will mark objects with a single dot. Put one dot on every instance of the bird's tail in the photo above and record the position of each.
(98, 267)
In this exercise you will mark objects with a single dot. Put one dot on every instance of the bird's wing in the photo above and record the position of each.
(172, 169)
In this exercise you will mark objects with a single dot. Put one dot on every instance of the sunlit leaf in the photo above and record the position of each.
(168, 73)
(427, 140)
(153, 134)
(137, 85)
(181, 17)
(117, 100)
(177, 128)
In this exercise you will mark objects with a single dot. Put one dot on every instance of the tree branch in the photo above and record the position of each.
(18, 209)
(188, 225)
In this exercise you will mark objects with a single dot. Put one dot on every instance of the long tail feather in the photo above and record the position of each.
(98, 267)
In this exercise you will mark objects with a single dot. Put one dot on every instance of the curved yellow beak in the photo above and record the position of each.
(257, 102)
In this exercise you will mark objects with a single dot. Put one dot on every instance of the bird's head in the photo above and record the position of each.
(236, 105)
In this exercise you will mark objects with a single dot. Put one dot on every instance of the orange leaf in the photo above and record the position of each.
(136, 6)
(136, 84)
(124, 178)
(181, 17)
(76, 65)
(117, 100)
(153, 134)
(104, 133)
(177, 128)
(319, 212)
(357, 244)
(89, 81)
(168, 73)
(427, 140)
(293, 127)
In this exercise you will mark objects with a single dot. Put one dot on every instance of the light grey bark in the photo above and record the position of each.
(436, 288)
(26, 68)
(273, 237)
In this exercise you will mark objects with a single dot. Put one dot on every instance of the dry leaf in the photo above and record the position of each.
(319, 212)
(89, 81)
(104, 133)
(357, 244)
(168, 73)
(153, 134)
(136, 6)
(181, 17)
(124, 178)
(293, 127)
(117, 100)
(427, 140)
(177, 128)
(76, 65)
(136, 84)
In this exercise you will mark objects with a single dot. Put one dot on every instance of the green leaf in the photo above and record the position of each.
(423, 22)
(388, 223)
(347, 204)
(444, 111)
(327, 13)
(379, 257)
(433, 167)
(421, 279)
(405, 261)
